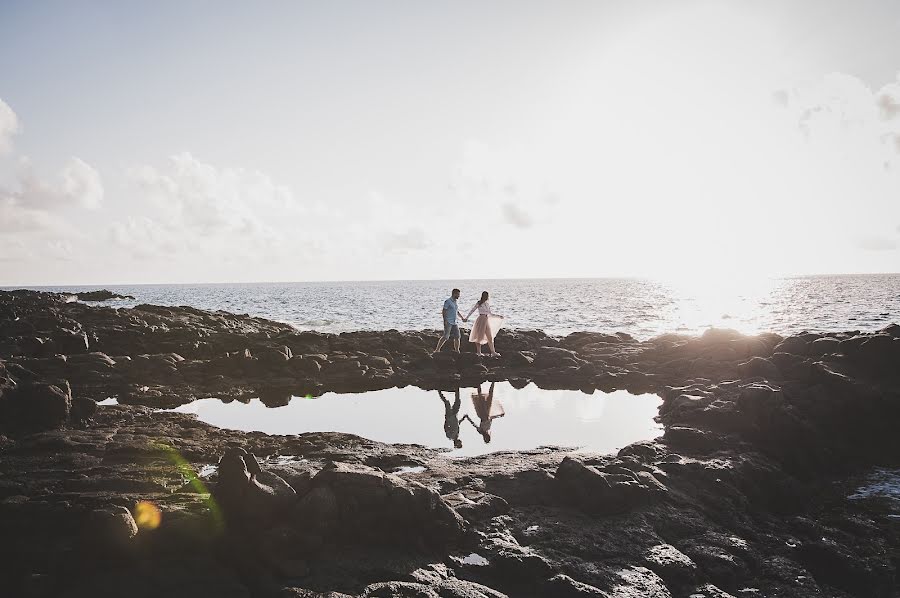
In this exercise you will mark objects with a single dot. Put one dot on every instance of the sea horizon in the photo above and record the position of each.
(100, 285)
(642, 307)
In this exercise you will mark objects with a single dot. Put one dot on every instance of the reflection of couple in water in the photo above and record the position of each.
(487, 408)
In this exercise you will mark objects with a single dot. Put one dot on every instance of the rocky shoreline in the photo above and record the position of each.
(745, 494)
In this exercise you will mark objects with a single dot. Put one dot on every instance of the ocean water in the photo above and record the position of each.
(643, 308)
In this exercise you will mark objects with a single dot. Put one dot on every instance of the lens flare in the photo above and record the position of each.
(147, 515)
(188, 473)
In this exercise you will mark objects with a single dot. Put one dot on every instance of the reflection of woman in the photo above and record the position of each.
(486, 326)
(487, 409)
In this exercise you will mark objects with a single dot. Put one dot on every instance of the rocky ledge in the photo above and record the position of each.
(101, 295)
(745, 494)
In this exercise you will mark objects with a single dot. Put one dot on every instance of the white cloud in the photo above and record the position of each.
(143, 238)
(37, 206)
(82, 183)
(9, 126)
(510, 183)
(411, 239)
(888, 101)
(37, 212)
(842, 116)
(517, 216)
(79, 185)
(12, 249)
(197, 210)
(875, 243)
(208, 200)
(17, 219)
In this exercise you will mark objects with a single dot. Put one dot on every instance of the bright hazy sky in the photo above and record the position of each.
(235, 141)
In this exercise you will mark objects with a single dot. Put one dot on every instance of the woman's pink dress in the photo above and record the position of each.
(486, 324)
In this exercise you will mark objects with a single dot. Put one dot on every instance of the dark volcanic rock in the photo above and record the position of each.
(744, 494)
(604, 492)
(249, 493)
(110, 531)
(101, 295)
(365, 504)
(34, 406)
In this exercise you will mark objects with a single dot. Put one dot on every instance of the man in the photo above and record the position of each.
(451, 328)
(451, 423)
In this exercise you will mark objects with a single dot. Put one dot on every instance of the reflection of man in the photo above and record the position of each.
(451, 328)
(451, 424)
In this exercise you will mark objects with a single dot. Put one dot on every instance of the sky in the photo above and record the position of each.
(193, 141)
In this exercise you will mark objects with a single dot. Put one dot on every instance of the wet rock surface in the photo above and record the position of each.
(100, 295)
(745, 494)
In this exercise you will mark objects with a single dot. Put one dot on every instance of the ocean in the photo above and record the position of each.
(643, 308)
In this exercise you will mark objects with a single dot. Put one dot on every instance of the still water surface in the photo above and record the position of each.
(533, 417)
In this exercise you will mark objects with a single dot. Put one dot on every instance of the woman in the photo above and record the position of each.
(487, 409)
(486, 325)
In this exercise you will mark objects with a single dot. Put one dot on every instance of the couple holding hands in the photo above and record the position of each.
(483, 331)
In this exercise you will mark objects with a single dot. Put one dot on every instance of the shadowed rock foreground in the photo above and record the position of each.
(744, 495)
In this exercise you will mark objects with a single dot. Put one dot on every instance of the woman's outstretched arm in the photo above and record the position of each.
(474, 307)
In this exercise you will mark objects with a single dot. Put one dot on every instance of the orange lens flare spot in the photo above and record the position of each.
(147, 515)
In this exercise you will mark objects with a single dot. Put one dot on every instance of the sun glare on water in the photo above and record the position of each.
(699, 303)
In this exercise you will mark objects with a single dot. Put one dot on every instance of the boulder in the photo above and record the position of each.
(246, 492)
(35, 406)
(366, 504)
(110, 532)
(275, 397)
(759, 367)
(692, 439)
(518, 359)
(101, 295)
(672, 565)
(274, 356)
(794, 345)
(83, 409)
(556, 357)
(563, 586)
(305, 365)
(475, 505)
(824, 346)
(880, 351)
(891, 330)
(755, 398)
(639, 582)
(604, 493)
(70, 343)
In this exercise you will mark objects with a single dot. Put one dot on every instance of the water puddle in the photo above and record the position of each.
(408, 469)
(473, 559)
(882, 484)
(508, 419)
(207, 471)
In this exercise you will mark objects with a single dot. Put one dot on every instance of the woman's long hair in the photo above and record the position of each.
(484, 297)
